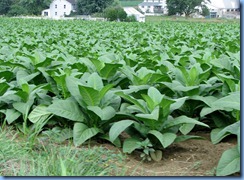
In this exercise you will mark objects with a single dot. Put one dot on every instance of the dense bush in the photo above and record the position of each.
(115, 14)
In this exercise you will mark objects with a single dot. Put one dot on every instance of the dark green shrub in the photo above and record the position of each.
(131, 19)
(115, 14)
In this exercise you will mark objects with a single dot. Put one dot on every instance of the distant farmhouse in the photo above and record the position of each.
(224, 8)
(60, 8)
(153, 6)
(217, 8)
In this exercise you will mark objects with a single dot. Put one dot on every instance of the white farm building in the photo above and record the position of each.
(153, 6)
(130, 11)
(59, 8)
(224, 8)
(217, 8)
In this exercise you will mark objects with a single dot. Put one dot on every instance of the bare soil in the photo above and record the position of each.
(189, 158)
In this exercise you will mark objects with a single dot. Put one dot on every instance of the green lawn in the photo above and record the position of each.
(46, 158)
(130, 3)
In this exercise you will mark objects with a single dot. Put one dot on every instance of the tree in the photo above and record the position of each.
(92, 6)
(34, 6)
(186, 7)
(19, 7)
(205, 11)
(16, 10)
(115, 14)
(5, 6)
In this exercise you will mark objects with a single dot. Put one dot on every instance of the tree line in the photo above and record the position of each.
(35, 7)
(23, 7)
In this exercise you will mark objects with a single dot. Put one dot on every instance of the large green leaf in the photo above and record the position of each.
(82, 133)
(89, 95)
(182, 120)
(72, 85)
(229, 103)
(150, 104)
(132, 100)
(155, 95)
(68, 109)
(95, 81)
(229, 162)
(220, 133)
(104, 90)
(109, 70)
(7, 75)
(105, 113)
(23, 77)
(186, 128)
(11, 115)
(40, 113)
(177, 104)
(165, 139)
(22, 107)
(130, 144)
(118, 127)
(3, 88)
(153, 116)
(177, 86)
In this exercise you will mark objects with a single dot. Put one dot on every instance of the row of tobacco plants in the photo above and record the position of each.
(154, 83)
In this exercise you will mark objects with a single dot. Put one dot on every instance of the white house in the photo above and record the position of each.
(130, 11)
(222, 8)
(59, 8)
(153, 6)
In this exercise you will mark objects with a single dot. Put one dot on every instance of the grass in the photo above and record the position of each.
(17, 158)
(183, 19)
(130, 3)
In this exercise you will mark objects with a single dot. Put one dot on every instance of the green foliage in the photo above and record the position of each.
(23, 7)
(115, 14)
(205, 11)
(130, 3)
(229, 162)
(18, 159)
(5, 6)
(16, 10)
(88, 7)
(131, 19)
(153, 83)
(183, 7)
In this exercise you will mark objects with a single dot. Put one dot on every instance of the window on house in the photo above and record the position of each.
(56, 13)
(228, 10)
(64, 13)
(142, 6)
(56, 6)
(64, 6)
(45, 13)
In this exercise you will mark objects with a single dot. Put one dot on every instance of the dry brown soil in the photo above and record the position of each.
(189, 158)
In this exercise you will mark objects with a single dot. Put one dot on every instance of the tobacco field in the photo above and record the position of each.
(139, 86)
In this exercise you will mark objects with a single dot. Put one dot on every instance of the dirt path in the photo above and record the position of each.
(189, 158)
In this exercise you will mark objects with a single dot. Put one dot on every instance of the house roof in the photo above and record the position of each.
(132, 11)
(150, 4)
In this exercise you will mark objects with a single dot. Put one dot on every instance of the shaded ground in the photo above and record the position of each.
(189, 158)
